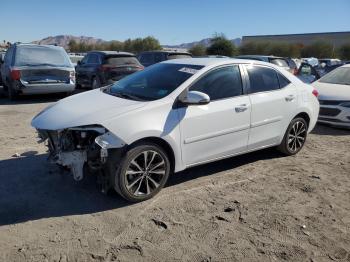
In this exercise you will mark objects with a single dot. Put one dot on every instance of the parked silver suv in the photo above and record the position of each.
(37, 69)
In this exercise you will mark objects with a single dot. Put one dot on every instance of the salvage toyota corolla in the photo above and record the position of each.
(175, 115)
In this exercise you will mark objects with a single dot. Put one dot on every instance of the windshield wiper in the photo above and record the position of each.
(127, 96)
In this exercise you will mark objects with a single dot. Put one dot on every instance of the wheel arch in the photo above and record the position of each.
(163, 144)
(305, 116)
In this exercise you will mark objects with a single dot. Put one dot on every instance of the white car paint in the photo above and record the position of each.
(333, 97)
(198, 133)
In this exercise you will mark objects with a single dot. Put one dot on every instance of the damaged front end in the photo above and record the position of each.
(80, 149)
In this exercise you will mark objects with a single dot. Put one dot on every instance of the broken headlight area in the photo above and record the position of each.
(76, 149)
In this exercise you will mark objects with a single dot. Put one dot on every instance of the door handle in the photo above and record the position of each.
(241, 108)
(289, 98)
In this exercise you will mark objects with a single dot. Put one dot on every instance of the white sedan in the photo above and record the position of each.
(334, 97)
(175, 115)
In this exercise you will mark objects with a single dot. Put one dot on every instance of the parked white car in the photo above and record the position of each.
(175, 115)
(334, 97)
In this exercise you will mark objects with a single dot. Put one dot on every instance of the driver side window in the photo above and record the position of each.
(220, 83)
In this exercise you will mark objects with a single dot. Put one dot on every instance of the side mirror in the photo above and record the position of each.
(195, 98)
(323, 65)
(79, 63)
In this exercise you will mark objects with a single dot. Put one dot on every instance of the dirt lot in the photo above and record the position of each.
(256, 207)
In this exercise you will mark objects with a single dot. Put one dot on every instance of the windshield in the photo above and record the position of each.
(340, 76)
(279, 62)
(122, 60)
(41, 55)
(154, 82)
(178, 56)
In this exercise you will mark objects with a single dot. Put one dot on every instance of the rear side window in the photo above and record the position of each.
(262, 79)
(121, 60)
(283, 81)
(147, 58)
(220, 83)
(93, 59)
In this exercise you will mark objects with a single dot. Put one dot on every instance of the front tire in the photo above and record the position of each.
(142, 172)
(295, 137)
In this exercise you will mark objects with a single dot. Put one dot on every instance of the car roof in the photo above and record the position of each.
(111, 52)
(215, 61)
(37, 45)
(262, 56)
(165, 51)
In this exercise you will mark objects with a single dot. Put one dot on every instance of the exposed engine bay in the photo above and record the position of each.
(79, 148)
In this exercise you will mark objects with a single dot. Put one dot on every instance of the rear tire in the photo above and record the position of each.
(95, 83)
(142, 172)
(295, 137)
(11, 92)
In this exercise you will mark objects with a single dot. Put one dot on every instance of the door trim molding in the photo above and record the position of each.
(215, 134)
(266, 121)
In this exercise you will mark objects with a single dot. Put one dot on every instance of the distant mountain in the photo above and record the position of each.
(63, 40)
(205, 42)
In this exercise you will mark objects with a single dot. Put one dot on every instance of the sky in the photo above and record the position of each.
(172, 22)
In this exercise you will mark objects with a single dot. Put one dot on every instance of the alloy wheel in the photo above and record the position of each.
(145, 173)
(297, 136)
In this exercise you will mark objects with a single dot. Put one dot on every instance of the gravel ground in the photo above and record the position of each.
(256, 207)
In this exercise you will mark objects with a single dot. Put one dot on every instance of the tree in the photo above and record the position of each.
(220, 45)
(344, 52)
(73, 46)
(198, 50)
(150, 43)
(318, 49)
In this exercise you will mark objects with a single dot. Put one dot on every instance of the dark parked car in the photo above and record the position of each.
(283, 62)
(99, 68)
(148, 58)
(309, 73)
(37, 69)
(2, 55)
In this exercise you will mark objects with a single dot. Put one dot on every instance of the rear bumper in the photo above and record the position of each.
(46, 88)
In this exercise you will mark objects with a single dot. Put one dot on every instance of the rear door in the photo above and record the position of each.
(273, 99)
(221, 127)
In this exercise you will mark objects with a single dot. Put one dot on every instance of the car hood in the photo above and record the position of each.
(88, 108)
(329, 91)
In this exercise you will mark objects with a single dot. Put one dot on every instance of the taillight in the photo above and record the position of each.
(295, 71)
(72, 76)
(315, 92)
(105, 68)
(15, 74)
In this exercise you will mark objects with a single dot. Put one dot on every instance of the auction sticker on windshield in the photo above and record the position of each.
(188, 70)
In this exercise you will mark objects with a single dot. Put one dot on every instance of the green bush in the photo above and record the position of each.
(318, 49)
(198, 50)
(270, 48)
(344, 52)
(130, 45)
(220, 45)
